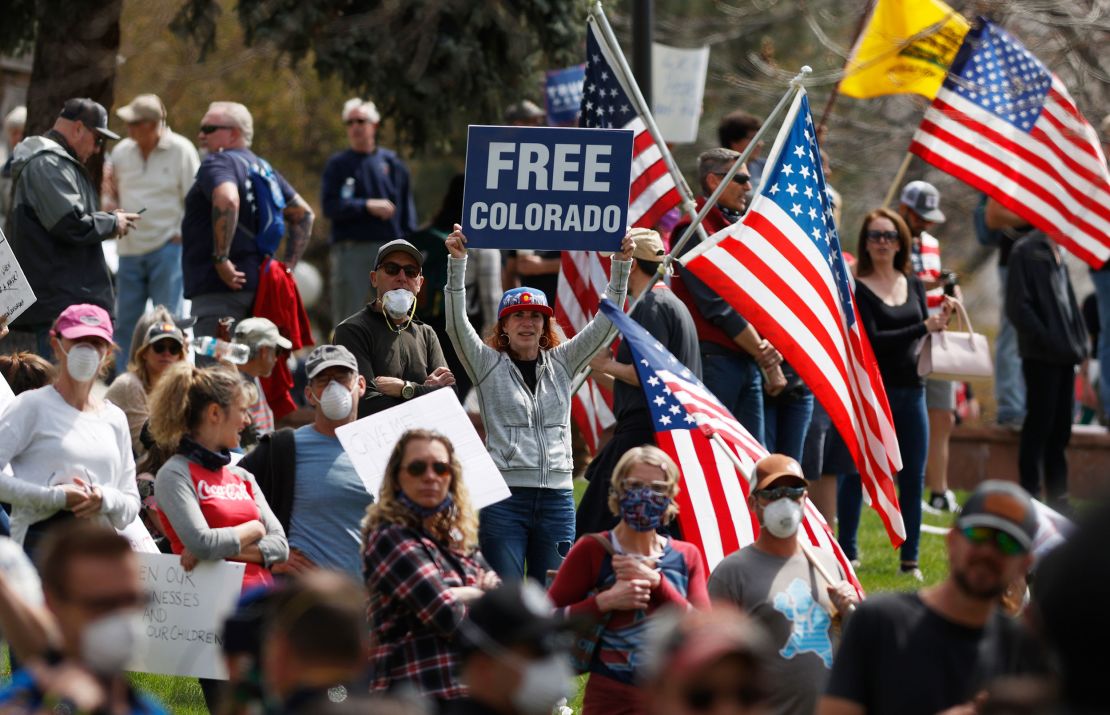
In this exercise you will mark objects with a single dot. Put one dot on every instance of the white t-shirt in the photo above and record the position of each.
(47, 443)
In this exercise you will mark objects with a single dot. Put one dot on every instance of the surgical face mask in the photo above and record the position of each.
(643, 509)
(82, 362)
(782, 517)
(335, 401)
(110, 642)
(543, 684)
(398, 302)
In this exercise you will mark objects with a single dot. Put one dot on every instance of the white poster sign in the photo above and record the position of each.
(16, 295)
(370, 441)
(184, 621)
(139, 536)
(677, 88)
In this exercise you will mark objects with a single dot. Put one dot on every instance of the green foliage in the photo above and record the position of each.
(431, 66)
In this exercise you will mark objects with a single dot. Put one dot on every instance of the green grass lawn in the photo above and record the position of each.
(878, 573)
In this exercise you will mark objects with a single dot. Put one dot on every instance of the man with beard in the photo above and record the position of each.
(939, 648)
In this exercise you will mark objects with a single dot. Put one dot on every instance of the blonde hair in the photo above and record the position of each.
(178, 402)
(456, 527)
(647, 454)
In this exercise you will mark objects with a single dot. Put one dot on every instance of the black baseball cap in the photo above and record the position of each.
(92, 114)
(516, 612)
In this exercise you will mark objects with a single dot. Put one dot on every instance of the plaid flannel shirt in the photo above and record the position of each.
(413, 616)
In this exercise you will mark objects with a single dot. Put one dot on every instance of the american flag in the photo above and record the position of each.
(712, 501)
(1007, 126)
(652, 193)
(781, 268)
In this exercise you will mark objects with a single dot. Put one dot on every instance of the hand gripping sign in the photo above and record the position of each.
(543, 188)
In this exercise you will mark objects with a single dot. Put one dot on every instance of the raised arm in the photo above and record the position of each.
(477, 357)
(579, 350)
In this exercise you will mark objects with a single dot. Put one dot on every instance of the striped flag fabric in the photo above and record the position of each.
(1006, 125)
(652, 193)
(781, 267)
(713, 497)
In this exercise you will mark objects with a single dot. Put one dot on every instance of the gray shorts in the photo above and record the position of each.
(940, 395)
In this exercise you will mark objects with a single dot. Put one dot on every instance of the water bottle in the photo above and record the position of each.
(234, 353)
(348, 190)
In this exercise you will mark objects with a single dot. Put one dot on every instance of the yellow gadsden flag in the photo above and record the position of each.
(905, 48)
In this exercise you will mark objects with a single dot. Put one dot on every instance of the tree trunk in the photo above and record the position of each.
(76, 46)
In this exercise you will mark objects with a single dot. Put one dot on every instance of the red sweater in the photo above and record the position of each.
(707, 332)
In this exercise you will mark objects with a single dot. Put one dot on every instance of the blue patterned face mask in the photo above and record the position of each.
(643, 509)
(423, 511)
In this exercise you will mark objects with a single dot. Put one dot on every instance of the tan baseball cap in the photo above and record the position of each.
(144, 108)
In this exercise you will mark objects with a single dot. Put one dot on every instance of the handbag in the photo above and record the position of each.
(955, 354)
(585, 644)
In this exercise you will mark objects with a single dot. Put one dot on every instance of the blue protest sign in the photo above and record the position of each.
(563, 92)
(546, 188)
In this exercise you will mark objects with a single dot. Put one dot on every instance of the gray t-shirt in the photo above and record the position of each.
(790, 599)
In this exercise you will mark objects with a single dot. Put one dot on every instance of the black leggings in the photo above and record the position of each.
(1049, 406)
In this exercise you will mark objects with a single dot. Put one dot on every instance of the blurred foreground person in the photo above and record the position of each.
(90, 577)
(941, 647)
(707, 662)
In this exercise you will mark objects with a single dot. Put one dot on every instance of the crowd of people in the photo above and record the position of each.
(411, 599)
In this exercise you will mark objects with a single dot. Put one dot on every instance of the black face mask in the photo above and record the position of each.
(202, 455)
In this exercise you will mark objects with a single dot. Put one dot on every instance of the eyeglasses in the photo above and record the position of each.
(167, 346)
(741, 179)
(882, 236)
(349, 122)
(392, 269)
(702, 699)
(419, 468)
(1002, 541)
(781, 493)
(207, 129)
(661, 488)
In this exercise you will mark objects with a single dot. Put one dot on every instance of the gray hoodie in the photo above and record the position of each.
(56, 230)
(528, 435)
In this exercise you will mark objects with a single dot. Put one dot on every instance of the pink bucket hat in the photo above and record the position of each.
(83, 320)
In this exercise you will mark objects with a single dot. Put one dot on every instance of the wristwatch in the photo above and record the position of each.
(408, 391)
(219, 259)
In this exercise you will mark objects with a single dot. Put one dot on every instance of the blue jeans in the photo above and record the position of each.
(155, 275)
(534, 525)
(785, 423)
(911, 423)
(1101, 279)
(1009, 385)
(737, 383)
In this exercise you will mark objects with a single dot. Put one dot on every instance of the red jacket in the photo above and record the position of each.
(279, 300)
(707, 332)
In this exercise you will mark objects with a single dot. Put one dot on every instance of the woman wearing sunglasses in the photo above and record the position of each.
(523, 372)
(622, 577)
(422, 567)
(892, 308)
(160, 344)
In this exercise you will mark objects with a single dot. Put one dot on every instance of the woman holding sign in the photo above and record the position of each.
(523, 372)
(210, 510)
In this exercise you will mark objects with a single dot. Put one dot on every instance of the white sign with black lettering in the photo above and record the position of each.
(16, 295)
(369, 442)
(183, 623)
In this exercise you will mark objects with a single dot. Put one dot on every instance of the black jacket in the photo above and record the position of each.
(274, 466)
(1041, 304)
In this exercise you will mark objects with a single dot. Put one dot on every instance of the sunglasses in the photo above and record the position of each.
(167, 346)
(882, 236)
(207, 129)
(418, 468)
(101, 140)
(392, 269)
(349, 122)
(1002, 541)
(704, 699)
(741, 179)
(781, 493)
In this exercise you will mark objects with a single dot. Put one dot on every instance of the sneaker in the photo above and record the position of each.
(944, 501)
(911, 572)
(928, 508)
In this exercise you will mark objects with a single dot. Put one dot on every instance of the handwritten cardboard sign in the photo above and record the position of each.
(184, 621)
(677, 88)
(16, 295)
(370, 441)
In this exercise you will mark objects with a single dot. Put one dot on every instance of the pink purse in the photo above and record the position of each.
(955, 354)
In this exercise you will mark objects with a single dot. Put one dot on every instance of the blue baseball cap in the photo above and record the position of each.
(523, 298)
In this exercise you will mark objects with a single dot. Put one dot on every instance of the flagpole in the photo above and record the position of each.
(898, 179)
(699, 216)
(868, 10)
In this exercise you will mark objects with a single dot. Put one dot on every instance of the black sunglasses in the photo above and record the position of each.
(780, 493)
(349, 122)
(167, 346)
(882, 236)
(739, 178)
(703, 699)
(419, 467)
(392, 269)
(210, 128)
